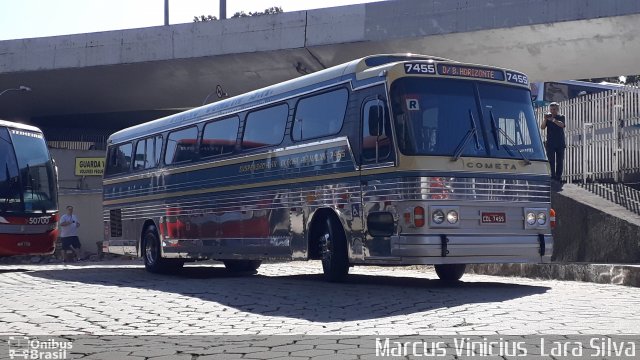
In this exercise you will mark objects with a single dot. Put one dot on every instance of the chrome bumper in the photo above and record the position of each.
(462, 249)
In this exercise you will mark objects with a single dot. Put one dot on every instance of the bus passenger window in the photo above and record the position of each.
(219, 137)
(376, 132)
(181, 146)
(119, 159)
(320, 115)
(140, 161)
(158, 150)
(265, 127)
(147, 153)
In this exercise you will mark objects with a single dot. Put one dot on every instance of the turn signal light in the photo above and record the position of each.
(418, 216)
(552, 218)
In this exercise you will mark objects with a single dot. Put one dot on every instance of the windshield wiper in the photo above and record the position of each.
(473, 131)
(497, 129)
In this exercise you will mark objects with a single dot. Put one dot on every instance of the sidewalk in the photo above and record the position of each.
(616, 274)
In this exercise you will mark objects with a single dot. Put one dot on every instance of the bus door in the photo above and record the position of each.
(377, 152)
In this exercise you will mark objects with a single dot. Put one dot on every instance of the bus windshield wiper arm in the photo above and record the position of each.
(472, 132)
(497, 129)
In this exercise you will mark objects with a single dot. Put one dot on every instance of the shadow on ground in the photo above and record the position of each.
(301, 296)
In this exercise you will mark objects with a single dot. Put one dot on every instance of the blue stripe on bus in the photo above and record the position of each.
(332, 160)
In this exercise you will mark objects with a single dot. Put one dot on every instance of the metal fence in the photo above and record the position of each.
(603, 135)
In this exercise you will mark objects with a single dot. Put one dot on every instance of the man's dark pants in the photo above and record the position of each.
(556, 161)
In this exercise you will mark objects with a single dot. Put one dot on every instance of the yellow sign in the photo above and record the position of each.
(89, 166)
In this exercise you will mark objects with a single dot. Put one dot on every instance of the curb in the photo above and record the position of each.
(615, 274)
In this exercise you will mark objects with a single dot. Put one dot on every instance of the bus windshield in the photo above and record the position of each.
(27, 178)
(464, 118)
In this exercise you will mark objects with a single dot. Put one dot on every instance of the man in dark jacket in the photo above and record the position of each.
(555, 124)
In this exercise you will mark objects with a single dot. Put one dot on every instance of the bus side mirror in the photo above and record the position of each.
(376, 119)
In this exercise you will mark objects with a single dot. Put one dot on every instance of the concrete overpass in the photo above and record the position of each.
(174, 67)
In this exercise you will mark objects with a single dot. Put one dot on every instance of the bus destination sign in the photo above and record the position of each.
(471, 72)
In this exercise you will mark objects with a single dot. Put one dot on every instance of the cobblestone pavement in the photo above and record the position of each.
(120, 298)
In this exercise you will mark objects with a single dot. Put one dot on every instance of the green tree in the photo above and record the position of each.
(269, 11)
(203, 18)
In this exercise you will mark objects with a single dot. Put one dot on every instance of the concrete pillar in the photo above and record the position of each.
(223, 9)
(166, 12)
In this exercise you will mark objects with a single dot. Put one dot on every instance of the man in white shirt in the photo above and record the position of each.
(69, 225)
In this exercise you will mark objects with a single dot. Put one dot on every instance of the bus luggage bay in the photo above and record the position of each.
(28, 192)
(386, 160)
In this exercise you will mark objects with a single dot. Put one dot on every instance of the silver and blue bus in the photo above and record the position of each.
(384, 160)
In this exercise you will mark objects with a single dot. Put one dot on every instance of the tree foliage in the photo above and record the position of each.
(203, 18)
(270, 11)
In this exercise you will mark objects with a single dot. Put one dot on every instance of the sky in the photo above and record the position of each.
(21, 19)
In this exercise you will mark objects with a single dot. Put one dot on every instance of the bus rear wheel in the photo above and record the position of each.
(450, 272)
(152, 256)
(238, 266)
(333, 248)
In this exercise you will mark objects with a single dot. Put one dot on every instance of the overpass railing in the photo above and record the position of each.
(603, 136)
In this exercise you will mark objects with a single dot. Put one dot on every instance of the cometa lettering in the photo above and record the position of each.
(493, 166)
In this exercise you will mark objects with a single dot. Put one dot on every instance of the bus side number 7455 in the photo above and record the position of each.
(419, 68)
(517, 78)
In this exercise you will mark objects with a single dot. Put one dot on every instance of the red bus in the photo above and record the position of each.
(28, 192)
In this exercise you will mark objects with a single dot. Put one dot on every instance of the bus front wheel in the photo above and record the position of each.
(333, 248)
(152, 255)
(450, 272)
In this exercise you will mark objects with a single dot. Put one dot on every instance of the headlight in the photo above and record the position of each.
(452, 217)
(437, 217)
(531, 218)
(542, 218)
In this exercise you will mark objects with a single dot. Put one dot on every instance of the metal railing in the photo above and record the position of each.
(602, 134)
(618, 193)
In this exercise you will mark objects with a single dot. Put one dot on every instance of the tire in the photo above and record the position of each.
(238, 266)
(152, 256)
(333, 249)
(450, 272)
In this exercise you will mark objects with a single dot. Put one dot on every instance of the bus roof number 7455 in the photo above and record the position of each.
(419, 68)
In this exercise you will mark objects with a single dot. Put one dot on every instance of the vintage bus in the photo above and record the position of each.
(28, 192)
(385, 160)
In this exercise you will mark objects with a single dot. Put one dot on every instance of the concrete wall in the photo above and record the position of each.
(591, 229)
(377, 21)
(87, 206)
(84, 193)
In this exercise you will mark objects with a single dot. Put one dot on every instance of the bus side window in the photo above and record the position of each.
(181, 145)
(158, 150)
(265, 126)
(119, 159)
(376, 132)
(320, 115)
(219, 137)
(140, 158)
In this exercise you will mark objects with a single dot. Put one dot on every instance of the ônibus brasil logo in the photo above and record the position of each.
(24, 347)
